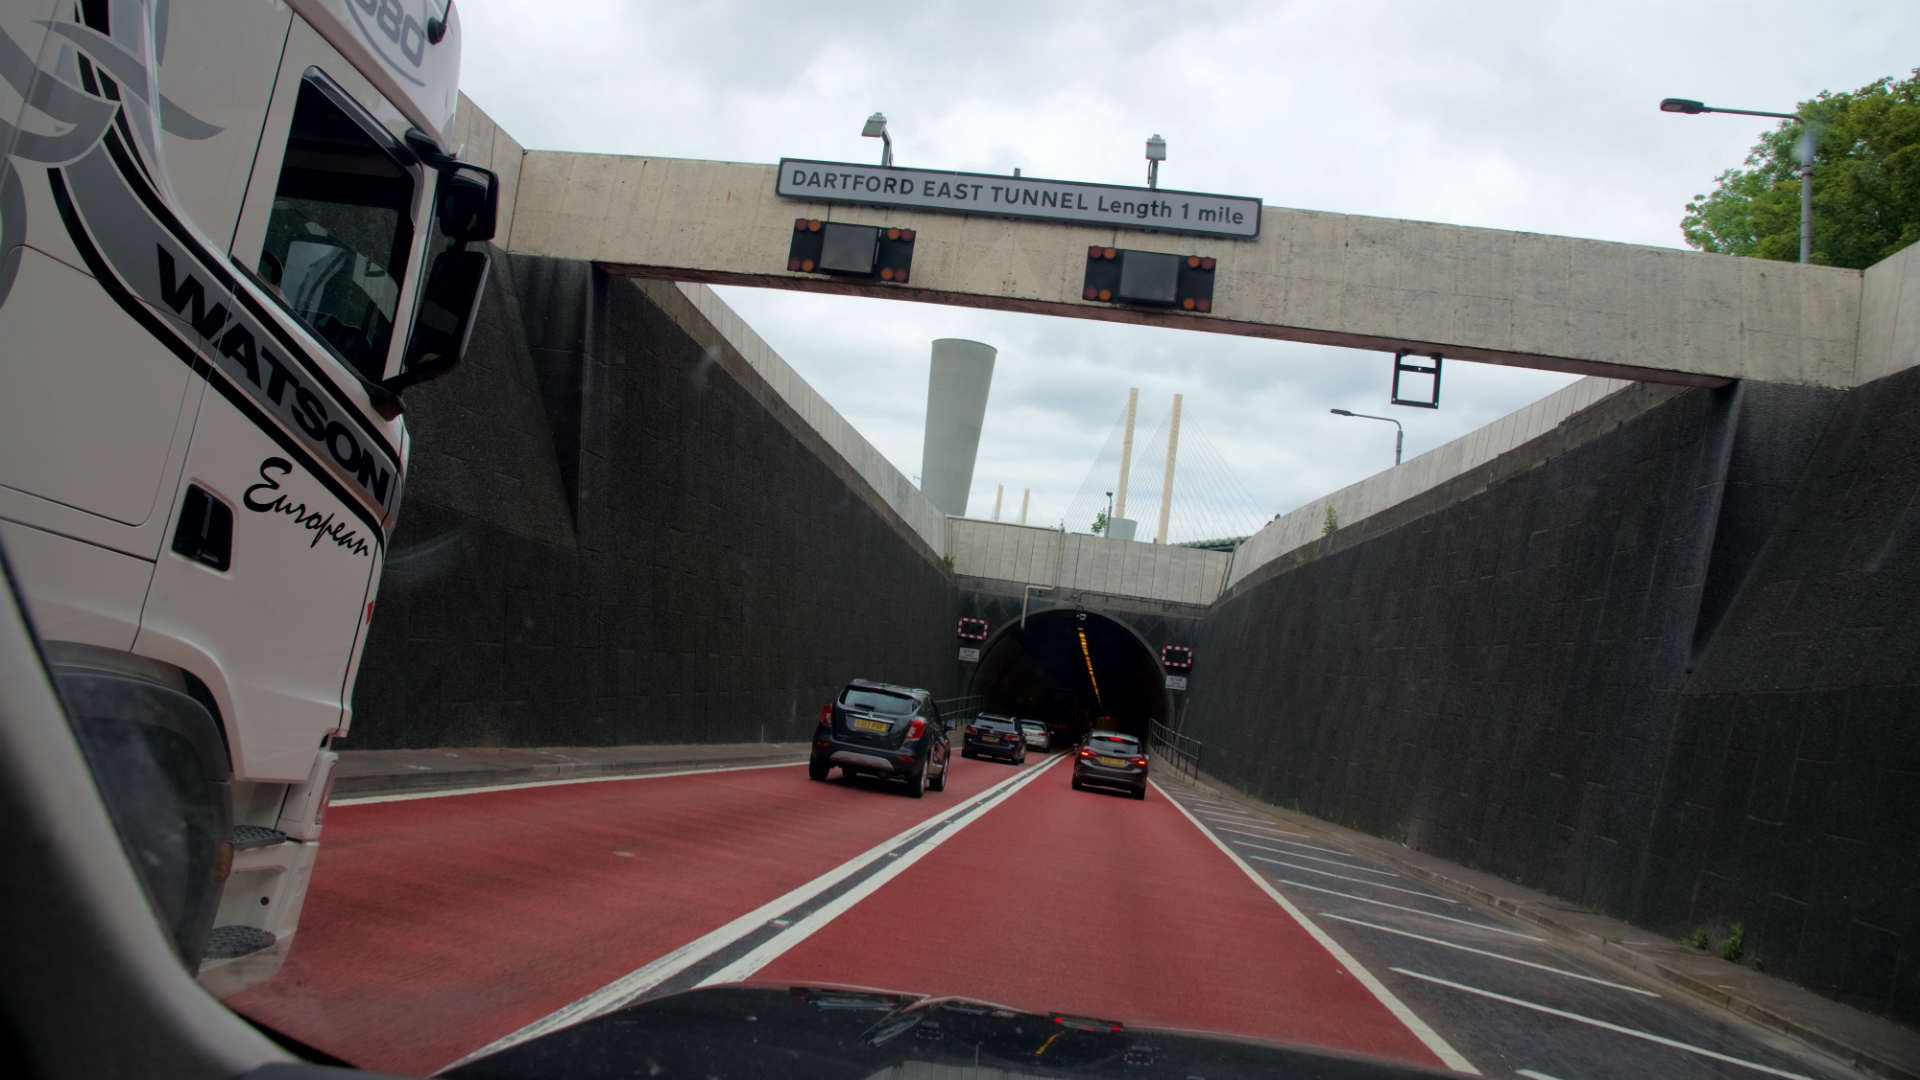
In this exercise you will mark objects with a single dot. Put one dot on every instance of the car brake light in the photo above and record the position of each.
(1084, 752)
(971, 730)
(1140, 762)
(826, 715)
(919, 725)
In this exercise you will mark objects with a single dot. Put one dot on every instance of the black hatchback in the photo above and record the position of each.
(883, 730)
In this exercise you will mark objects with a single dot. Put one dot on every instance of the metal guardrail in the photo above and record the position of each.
(1180, 752)
(954, 710)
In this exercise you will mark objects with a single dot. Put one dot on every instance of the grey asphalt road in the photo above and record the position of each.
(1511, 1001)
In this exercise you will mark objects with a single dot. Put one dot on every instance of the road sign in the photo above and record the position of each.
(970, 656)
(1150, 209)
(1176, 682)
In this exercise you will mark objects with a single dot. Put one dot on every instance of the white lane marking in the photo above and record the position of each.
(1310, 858)
(407, 796)
(1604, 1025)
(771, 950)
(1227, 811)
(1259, 834)
(1434, 1042)
(635, 984)
(1494, 955)
(1309, 847)
(1355, 880)
(1532, 1075)
(1415, 911)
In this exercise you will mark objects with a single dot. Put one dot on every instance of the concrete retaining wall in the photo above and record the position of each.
(1030, 554)
(1890, 316)
(1536, 670)
(899, 493)
(616, 531)
(1355, 502)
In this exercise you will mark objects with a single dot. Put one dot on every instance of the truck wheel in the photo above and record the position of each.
(157, 757)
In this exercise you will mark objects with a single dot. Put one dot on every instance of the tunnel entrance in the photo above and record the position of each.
(1074, 671)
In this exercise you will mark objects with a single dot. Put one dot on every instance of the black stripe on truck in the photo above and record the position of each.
(135, 177)
(190, 355)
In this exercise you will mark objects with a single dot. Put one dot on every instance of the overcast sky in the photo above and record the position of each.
(1532, 115)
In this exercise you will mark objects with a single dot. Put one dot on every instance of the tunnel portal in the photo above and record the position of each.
(1073, 670)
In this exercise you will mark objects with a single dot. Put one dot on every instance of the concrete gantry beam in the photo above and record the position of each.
(1550, 302)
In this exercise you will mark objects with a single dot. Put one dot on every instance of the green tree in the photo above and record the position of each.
(1100, 523)
(1866, 183)
(1328, 526)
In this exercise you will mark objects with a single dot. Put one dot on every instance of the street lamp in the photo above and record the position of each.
(877, 129)
(1156, 153)
(1690, 107)
(1399, 433)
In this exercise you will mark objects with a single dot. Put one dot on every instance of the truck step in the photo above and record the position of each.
(247, 837)
(228, 942)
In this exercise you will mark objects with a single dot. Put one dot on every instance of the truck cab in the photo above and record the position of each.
(232, 234)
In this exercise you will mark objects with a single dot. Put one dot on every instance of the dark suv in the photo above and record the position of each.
(883, 730)
(996, 736)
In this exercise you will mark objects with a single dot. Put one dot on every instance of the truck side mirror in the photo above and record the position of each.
(449, 302)
(469, 203)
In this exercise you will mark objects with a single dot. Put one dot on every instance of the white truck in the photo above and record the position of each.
(231, 233)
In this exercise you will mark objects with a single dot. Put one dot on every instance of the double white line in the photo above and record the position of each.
(881, 864)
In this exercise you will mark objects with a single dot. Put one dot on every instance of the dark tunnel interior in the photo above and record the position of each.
(1075, 671)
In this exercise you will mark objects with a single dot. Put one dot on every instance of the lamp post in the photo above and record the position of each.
(877, 129)
(1399, 433)
(1690, 107)
(1156, 153)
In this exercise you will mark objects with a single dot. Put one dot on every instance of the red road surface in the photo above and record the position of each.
(1096, 905)
(434, 926)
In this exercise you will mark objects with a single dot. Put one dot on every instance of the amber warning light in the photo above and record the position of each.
(875, 252)
(1149, 278)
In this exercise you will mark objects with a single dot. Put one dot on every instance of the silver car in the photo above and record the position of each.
(1036, 735)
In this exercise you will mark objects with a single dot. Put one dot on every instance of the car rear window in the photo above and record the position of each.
(1116, 744)
(997, 723)
(1033, 725)
(879, 701)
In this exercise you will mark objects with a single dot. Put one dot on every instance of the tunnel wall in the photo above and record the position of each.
(1663, 661)
(615, 532)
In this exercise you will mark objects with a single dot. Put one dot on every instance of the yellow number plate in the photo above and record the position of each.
(1111, 761)
(864, 724)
